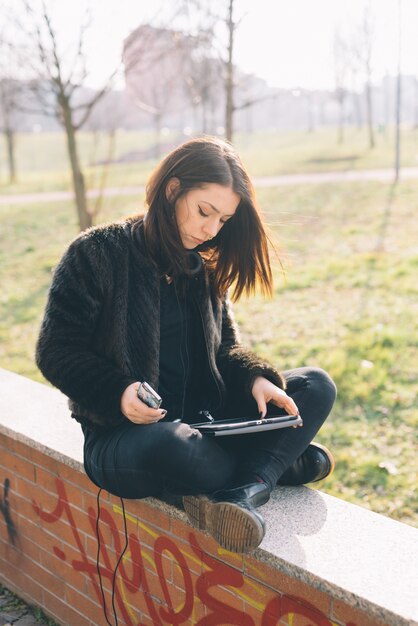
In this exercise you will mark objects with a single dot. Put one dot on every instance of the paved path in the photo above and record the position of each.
(384, 176)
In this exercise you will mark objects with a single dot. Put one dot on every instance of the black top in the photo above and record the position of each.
(182, 352)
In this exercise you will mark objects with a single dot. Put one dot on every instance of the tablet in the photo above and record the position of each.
(243, 425)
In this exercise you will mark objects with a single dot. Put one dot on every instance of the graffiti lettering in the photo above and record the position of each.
(281, 607)
(219, 574)
(168, 603)
(169, 614)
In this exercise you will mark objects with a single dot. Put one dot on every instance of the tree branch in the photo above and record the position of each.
(79, 55)
(88, 107)
(250, 103)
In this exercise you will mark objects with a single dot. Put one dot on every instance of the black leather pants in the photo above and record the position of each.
(137, 461)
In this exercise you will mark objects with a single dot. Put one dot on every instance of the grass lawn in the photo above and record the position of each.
(42, 162)
(348, 304)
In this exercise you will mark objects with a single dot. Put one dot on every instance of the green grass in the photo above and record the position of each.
(348, 304)
(269, 154)
(42, 161)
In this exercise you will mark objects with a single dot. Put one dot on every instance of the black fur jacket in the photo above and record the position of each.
(100, 332)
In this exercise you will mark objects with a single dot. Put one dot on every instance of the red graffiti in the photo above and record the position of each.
(218, 574)
(281, 606)
(63, 507)
(169, 614)
(179, 602)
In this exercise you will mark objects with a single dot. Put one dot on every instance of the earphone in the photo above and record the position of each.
(195, 263)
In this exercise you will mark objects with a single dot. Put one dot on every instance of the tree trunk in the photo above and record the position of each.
(157, 130)
(398, 127)
(94, 148)
(357, 110)
(370, 114)
(229, 81)
(195, 123)
(340, 139)
(398, 101)
(204, 111)
(108, 160)
(84, 217)
(416, 104)
(311, 113)
(10, 141)
(249, 120)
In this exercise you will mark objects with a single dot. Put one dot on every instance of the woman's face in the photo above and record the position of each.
(201, 213)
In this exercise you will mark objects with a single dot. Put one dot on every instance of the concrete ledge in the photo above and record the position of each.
(364, 563)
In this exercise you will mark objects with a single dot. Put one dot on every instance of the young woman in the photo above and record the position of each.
(146, 300)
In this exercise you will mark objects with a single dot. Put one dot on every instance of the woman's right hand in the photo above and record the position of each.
(137, 411)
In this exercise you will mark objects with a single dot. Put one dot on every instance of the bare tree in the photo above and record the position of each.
(154, 59)
(416, 103)
(219, 19)
(229, 72)
(232, 23)
(353, 61)
(203, 80)
(10, 93)
(398, 97)
(341, 70)
(354, 88)
(57, 85)
(363, 47)
(104, 122)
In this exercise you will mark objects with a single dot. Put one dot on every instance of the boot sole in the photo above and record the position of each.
(233, 527)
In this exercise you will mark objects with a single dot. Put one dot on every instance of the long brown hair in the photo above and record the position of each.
(238, 256)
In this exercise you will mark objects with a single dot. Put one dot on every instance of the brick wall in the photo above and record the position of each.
(170, 573)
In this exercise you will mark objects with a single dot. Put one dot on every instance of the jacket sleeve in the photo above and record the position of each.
(238, 366)
(65, 351)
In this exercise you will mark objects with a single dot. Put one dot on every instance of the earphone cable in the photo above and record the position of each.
(183, 337)
(119, 560)
(98, 558)
(117, 564)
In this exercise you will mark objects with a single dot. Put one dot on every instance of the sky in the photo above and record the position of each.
(286, 42)
(294, 45)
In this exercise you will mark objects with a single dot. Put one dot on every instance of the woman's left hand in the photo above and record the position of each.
(264, 391)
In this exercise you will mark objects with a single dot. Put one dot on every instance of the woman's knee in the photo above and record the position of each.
(321, 380)
(321, 389)
(313, 382)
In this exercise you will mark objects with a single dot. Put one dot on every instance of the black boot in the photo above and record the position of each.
(316, 463)
(250, 495)
(228, 515)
